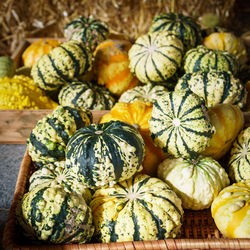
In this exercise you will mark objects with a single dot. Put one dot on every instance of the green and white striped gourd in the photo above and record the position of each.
(64, 63)
(187, 30)
(180, 125)
(52, 215)
(140, 208)
(202, 58)
(89, 30)
(86, 95)
(155, 57)
(196, 181)
(215, 87)
(239, 163)
(103, 154)
(48, 140)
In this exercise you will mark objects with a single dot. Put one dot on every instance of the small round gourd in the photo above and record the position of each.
(140, 208)
(196, 181)
(7, 66)
(104, 154)
(231, 210)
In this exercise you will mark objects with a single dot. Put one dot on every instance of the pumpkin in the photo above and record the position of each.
(112, 66)
(86, 95)
(61, 65)
(202, 58)
(228, 121)
(231, 209)
(239, 163)
(138, 113)
(48, 140)
(35, 50)
(229, 42)
(140, 208)
(215, 87)
(179, 124)
(7, 66)
(186, 29)
(51, 214)
(196, 181)
(89, 30)
(155, 57)
(103, 154)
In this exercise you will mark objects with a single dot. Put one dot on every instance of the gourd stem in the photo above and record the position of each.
(172, 7)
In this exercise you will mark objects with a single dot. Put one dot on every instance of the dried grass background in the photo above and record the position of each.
(47, 18)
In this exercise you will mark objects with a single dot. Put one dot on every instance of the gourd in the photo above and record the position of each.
(48, 140)
(65, 62)
(239, 162)
(196, 181)
(103, 154)
(35, 50)
(202, 58)
(179, 124)
(140, 208)
(51, 214)
(86, 95)
(155, 57)
(184, 27)
(89, 30)
(112, 66)
(137, 114)
(215, 87)
(7, 66)
(230, 210)
(228, 121)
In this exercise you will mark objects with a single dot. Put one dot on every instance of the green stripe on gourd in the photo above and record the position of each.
(48, 140)
(140, 208)
(196, 182)
(204, 59)
(180, 125)
(187, 30)
(215, 87)
(155, 57)
(86, 95)
(239, 163)
(52, 215)
(103, 154)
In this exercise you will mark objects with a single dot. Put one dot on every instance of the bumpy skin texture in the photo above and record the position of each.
(239, 164)
(50, 214)
(231, 210)
(155, 57)
(187, 30)
(204, 59)
(48, 140)
(103, 154)
(141, 208)
(196, 182)
(86, 95)
(179, 124)
(215, 87)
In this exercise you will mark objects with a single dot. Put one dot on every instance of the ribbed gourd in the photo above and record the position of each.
(104, 154)
(179, 124)
(89, 30)
(155, 57)
(231, 210)
(185, 27)
(202, 58)
(65, 62)
(7, 66)
(88, 95)
(215, 87)
(48, 140)
(239, 163)
(140, 208)
(196, 181)
(52, 215)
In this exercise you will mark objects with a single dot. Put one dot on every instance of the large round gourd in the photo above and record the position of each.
(7, 66)
(231, 210)
(141, 208)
